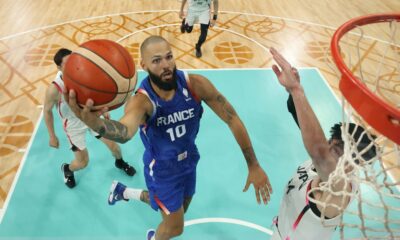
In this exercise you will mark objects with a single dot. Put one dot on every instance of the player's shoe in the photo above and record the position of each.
(69, 178)
(128, 169)
(116, 192)
(198, 51)
(150, 234)
(183, 27)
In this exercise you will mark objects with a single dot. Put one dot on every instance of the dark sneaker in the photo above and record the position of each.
(183, 27)
(150, 234)
(69, 178)
(198, 51)
(116, 193)
(129, 170)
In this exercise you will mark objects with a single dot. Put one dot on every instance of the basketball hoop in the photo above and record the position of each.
(375, 111)
(370, 100)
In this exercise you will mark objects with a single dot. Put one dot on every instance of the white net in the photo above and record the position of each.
(374, 212)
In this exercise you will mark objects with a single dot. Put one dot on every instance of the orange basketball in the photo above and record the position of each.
(102, 70)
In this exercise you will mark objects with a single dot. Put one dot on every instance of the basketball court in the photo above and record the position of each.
(37, 205)
(42, 206)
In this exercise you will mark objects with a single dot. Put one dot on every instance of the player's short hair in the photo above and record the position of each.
(58, 57)
(150, 40)
(357, 132)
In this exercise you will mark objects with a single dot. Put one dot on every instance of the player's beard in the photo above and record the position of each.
(164, 85)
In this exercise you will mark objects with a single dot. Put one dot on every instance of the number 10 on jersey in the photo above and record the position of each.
(176, 132)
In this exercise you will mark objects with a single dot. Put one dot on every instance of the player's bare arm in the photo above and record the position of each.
(311, 131)
(136, 110)
(218, 103)
(181, 13)
(215, 13)
(51, 99)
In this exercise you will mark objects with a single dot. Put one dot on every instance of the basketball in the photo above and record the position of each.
(101, 70)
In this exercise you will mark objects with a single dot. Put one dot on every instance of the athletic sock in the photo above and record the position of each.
(132, 193)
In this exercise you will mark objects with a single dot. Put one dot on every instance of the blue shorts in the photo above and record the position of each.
(169, 195)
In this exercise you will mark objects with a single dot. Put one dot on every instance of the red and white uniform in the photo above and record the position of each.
(73, 126)
(296, 220)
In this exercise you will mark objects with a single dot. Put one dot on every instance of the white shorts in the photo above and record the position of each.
(275, 234)
(76, 130)
(202, 17)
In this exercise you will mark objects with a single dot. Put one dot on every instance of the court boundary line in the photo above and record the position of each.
(3, 210)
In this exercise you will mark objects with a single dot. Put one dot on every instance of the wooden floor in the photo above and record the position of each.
(32, 31)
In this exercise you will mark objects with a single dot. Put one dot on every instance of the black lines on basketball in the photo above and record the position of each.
(101, 70)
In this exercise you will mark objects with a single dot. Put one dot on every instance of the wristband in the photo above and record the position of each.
(215, 17)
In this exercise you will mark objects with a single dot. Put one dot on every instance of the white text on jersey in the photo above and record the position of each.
(175, 117)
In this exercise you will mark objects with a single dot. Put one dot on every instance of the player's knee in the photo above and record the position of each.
(176, 230)
(84, 163)
(179, 231)
(171, 229)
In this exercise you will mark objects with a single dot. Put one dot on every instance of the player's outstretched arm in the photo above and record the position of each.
(120, 131)
(218, 103)
(311, 131)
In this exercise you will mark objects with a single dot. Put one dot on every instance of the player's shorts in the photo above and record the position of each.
(169, 195)
(76, 130)
(275, 234)
(202, 17)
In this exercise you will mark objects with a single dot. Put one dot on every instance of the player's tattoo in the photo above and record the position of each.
(114, 130)
(229, 112)
(249, 155)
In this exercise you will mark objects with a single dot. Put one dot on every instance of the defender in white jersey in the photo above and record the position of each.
(198, 11)
(74, 128)
(299, 218)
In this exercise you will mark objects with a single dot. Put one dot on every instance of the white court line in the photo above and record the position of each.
(228, 220)
(21, 166)
(174, 10)
(176, 24)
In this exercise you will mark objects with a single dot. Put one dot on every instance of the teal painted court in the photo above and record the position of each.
(42, 207)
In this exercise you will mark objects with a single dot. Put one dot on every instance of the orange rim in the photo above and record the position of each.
(375, 111)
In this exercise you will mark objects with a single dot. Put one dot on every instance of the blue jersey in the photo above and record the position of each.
(170, 132)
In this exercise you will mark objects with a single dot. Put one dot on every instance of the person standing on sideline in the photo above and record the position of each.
(167, 109)
(74, 128)
(198, 11)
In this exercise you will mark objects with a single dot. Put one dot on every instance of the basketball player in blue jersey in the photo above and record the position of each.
(167, 110)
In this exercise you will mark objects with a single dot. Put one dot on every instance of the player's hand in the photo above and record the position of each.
(85, 114)
(181, 14)
(213, 22)
(260, 181)
(53, 142)
(287, 75)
